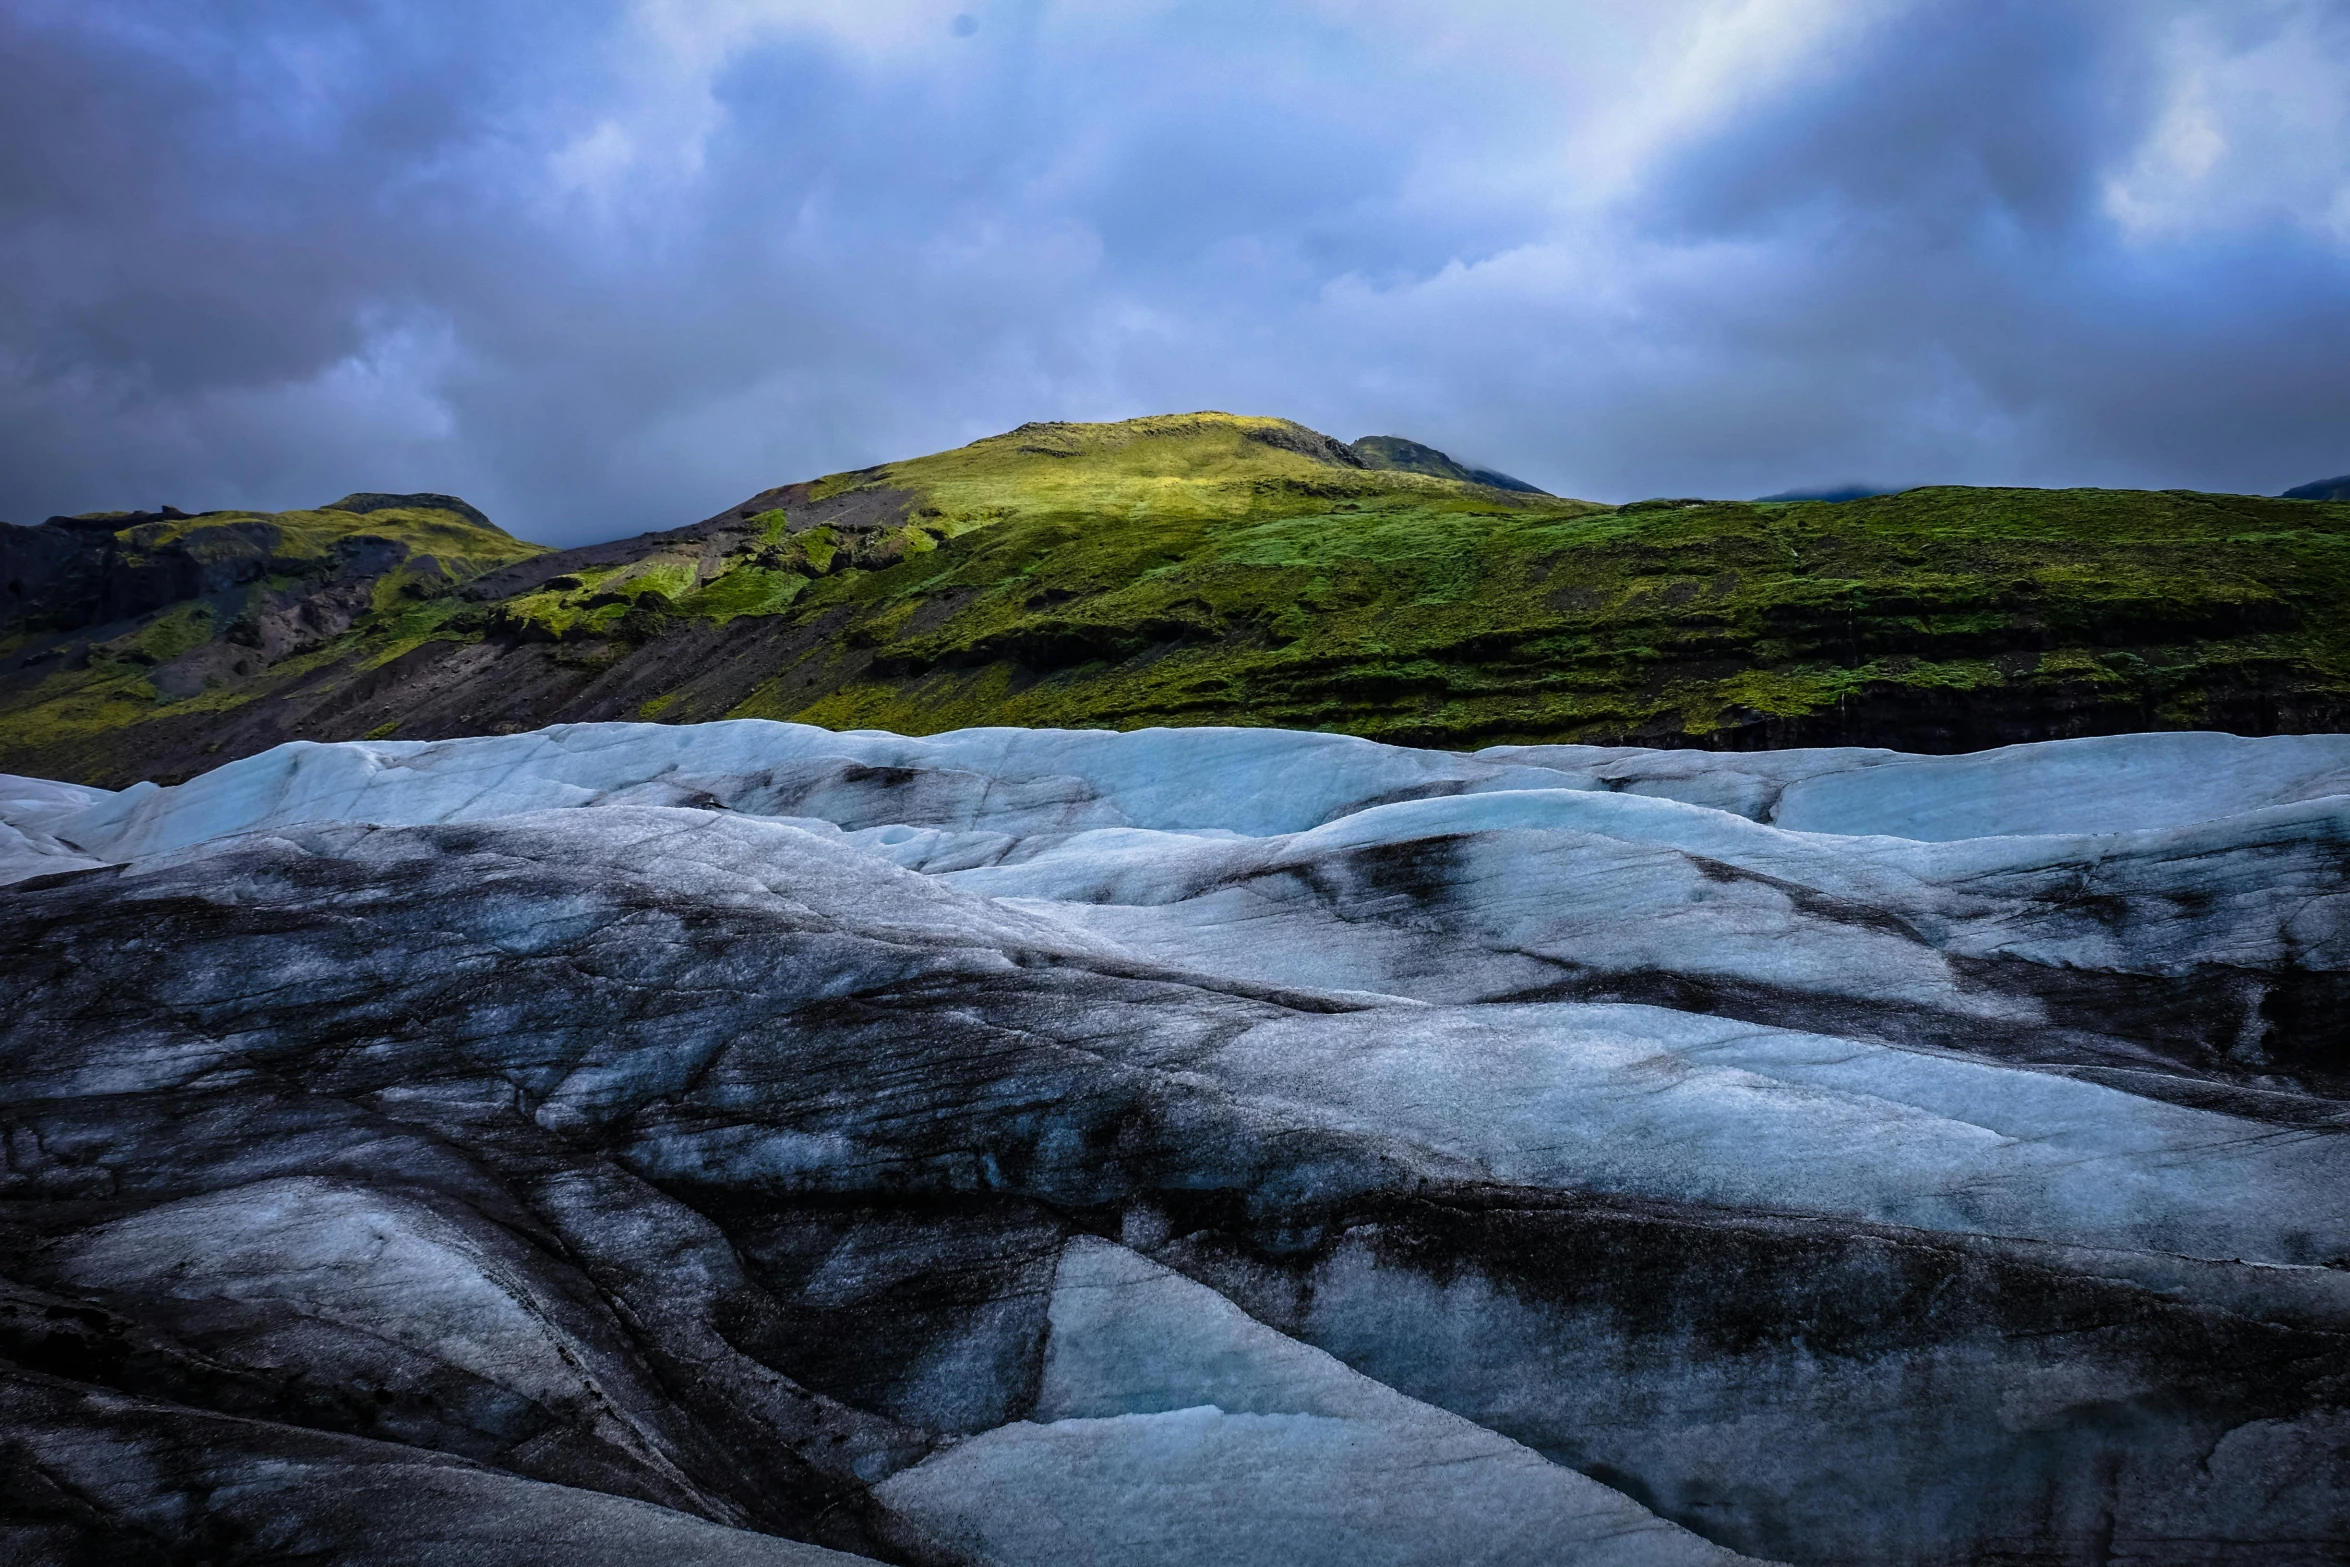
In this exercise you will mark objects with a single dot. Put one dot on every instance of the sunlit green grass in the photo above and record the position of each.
(1210, 568)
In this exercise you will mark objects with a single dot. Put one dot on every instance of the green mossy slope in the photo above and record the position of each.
(127, 618)
(1463, 619)
(1214, 569)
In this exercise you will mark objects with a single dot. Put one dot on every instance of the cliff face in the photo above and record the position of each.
(1202, 569)
(636, 1141)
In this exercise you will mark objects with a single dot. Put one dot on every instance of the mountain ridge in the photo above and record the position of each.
(1204, 568)
(2334, 489)
(1395, 451)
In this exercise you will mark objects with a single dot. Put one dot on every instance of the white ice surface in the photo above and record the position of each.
(1256, 782)
(355, 1271)
(1434, 889)
(346, 1256)
(27, 806)
(1641, 1100)
(30, 802)
(2111, 783)
(1531, 880)
(1325, 862)
(1175, 1428)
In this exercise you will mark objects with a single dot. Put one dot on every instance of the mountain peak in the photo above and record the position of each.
(2336, 489)
(1071, 438)
(1399, 454)
(365, 502)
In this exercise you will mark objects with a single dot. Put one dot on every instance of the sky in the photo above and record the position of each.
(610, 265)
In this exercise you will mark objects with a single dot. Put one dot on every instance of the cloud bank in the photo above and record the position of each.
(608, 267)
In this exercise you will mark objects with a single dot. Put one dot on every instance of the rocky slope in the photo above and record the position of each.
(1187, 570)
(120, 627)
(1179, 1146)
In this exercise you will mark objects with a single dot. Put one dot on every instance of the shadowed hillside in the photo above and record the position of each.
(1196, 569)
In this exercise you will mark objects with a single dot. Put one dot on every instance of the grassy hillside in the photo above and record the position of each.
(1214, 569)
(1932, 618)
(115, 620)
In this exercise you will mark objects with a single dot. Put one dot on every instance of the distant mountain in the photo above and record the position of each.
(2322, 490)
(269, 581)
(109, 618)
(1186, 569)
(1847, 492)
(1395, 453)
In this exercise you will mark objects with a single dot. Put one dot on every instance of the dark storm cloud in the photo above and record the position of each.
(202, 221)
(607, 268)
(1945, 200)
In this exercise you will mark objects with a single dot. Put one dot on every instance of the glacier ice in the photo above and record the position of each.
(1170, 1426)
(1188, 1145)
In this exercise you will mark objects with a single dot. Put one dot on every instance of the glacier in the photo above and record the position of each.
(746, 1142)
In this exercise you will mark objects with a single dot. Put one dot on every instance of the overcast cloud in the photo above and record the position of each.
(607, 267)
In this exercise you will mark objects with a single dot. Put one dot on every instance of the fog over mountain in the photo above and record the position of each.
(602, 267)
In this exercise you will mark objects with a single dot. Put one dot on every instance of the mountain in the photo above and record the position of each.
(1839, 492)
(1395, 453)
(119, 628)
(733, 1143)
(1194, 569)
(2322, 490)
